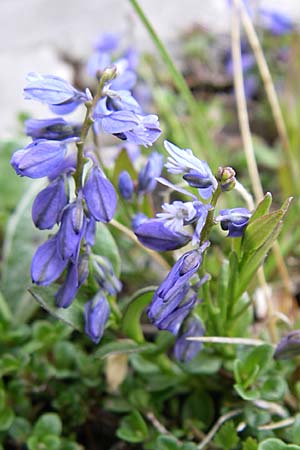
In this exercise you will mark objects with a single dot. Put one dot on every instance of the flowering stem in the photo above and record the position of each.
(87, 123)
(210, 216)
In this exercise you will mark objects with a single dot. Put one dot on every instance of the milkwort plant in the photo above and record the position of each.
(79, 194)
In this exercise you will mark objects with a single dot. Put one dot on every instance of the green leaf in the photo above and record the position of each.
(122, 346)
(167, 443)
(227, 437)
(20, 243)
(123, 162)
(249, 395)
(295, 431)
(131, 320)
(248, 369)
(6, 418)
(259, 231)
(5, 312)
(48, 423)
(48, 442)
(276, 444)
(274, 388)
(20, 429)
(262, 208)
(105, 245)
(133, 428)
(9, 363)
(250, 444)
(72, 316)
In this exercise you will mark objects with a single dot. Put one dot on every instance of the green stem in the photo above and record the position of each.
(210, 216)
(87, 123)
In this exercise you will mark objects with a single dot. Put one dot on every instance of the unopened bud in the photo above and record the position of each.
(109, 74)
(226, 176)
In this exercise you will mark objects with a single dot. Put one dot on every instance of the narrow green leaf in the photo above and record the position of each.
(131, 320)
(72, 316)
(262, 208)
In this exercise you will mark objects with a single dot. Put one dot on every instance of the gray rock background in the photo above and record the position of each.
(34, 32)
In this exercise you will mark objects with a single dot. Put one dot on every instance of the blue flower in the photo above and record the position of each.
(47, 264)
(125, 185)
(174, 288)
(52, 129)
(39, 159)
(96, 313)
(185, 350)
(68, 290)
(107, 42)
(126, 125)
(234, 220)
(56, 92)
(178, 214)
(137, 220)
(196, 172)
(100, 196)
(152, 169)
(173, 321)
(274, 21)
(288, 346)
(71, 231)
(49, 204)
(155, 235)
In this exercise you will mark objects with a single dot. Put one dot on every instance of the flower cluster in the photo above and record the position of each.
(78, 193)
(182, 222)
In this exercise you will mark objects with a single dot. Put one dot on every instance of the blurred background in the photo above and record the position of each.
(42, 35)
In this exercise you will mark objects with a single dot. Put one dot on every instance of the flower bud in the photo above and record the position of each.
(109, 74)
(96, 313)
(226, 176)
(125, 185)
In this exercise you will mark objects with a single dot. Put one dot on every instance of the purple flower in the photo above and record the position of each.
(125, 185)
(174, 288)
(68, 290)
(54, 91)
(96, 313)
(120, 100)
(234, 220)
(98, 63)
(47, 263)
(147, 176)
(39, 159)
(71, 231)
(48, 205)
(178, 214)
(155, 235)
(274, 21)
(107, 42)
(52, 129)
(126, 125)
(289, 346)
(196, 172)
(173, 321)
(100, 196)
(185, 350)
